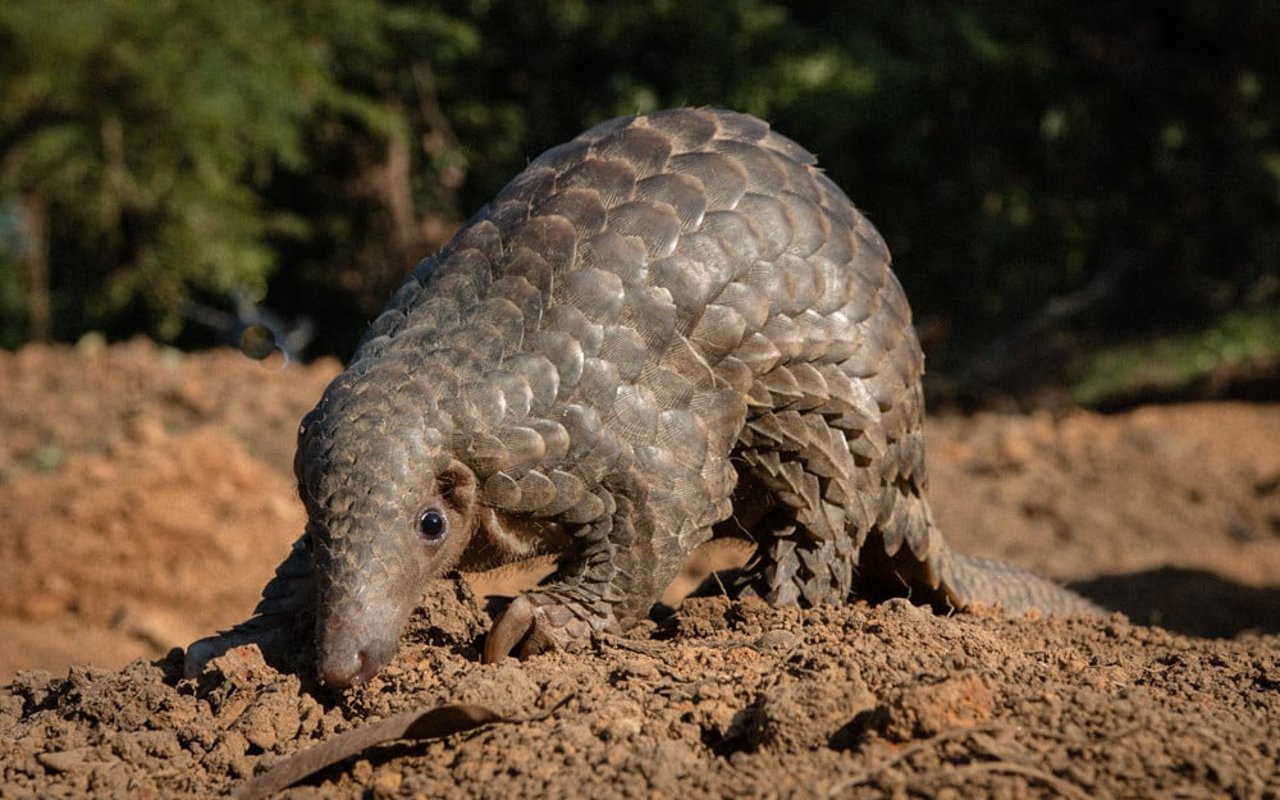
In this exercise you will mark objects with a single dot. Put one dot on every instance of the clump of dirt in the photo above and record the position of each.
(145, 498)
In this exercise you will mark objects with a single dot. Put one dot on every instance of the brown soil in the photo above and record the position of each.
(145, 498)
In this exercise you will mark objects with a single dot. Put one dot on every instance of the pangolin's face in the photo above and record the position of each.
(382, 521)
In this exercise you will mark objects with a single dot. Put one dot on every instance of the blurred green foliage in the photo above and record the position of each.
(146, 132)
(1170, 364)
(1116, 160)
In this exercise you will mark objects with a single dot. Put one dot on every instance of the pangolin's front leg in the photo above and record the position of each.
(282, 622)
(620, 567)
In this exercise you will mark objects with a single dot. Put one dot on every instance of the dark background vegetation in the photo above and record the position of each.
(1080, 195)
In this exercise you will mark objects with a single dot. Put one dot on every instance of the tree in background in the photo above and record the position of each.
(1088, 172)
(1043, 174)
(136, 140)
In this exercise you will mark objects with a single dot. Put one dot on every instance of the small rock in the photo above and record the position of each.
(778, 639)
(386, 782)
(66, 760)
(803, 714)
(924, 711)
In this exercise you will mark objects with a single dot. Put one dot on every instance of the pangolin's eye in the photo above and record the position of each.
(433, 524)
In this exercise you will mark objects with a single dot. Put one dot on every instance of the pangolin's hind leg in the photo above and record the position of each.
(833, 502)
(888, 548)
(852, 520)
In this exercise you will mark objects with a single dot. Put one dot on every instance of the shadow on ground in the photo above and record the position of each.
(1188, 601)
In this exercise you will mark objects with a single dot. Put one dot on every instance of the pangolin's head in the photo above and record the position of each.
(387, 511)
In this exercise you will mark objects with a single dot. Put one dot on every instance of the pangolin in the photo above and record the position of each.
(673, 326)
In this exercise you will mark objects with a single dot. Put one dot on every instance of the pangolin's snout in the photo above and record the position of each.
(355, 638)
(346, 665)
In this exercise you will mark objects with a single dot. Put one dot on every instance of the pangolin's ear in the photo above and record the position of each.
(458, 487)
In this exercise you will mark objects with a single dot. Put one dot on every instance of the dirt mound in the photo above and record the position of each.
(145, 498)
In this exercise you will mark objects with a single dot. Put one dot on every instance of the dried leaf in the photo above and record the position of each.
(437, 723)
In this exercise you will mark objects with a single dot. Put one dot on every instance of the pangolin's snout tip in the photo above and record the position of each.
(342, 670)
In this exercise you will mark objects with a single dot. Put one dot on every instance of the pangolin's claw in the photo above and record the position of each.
(532, 624)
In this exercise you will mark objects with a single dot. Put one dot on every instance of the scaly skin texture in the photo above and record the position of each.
(665, 309)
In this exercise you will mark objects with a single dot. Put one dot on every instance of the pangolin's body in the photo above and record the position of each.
(672, 323)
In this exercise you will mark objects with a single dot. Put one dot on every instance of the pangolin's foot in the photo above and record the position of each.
(283, 623)
(279, 640)
(537, 622)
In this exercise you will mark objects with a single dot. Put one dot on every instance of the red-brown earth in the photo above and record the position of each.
(146, 497)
